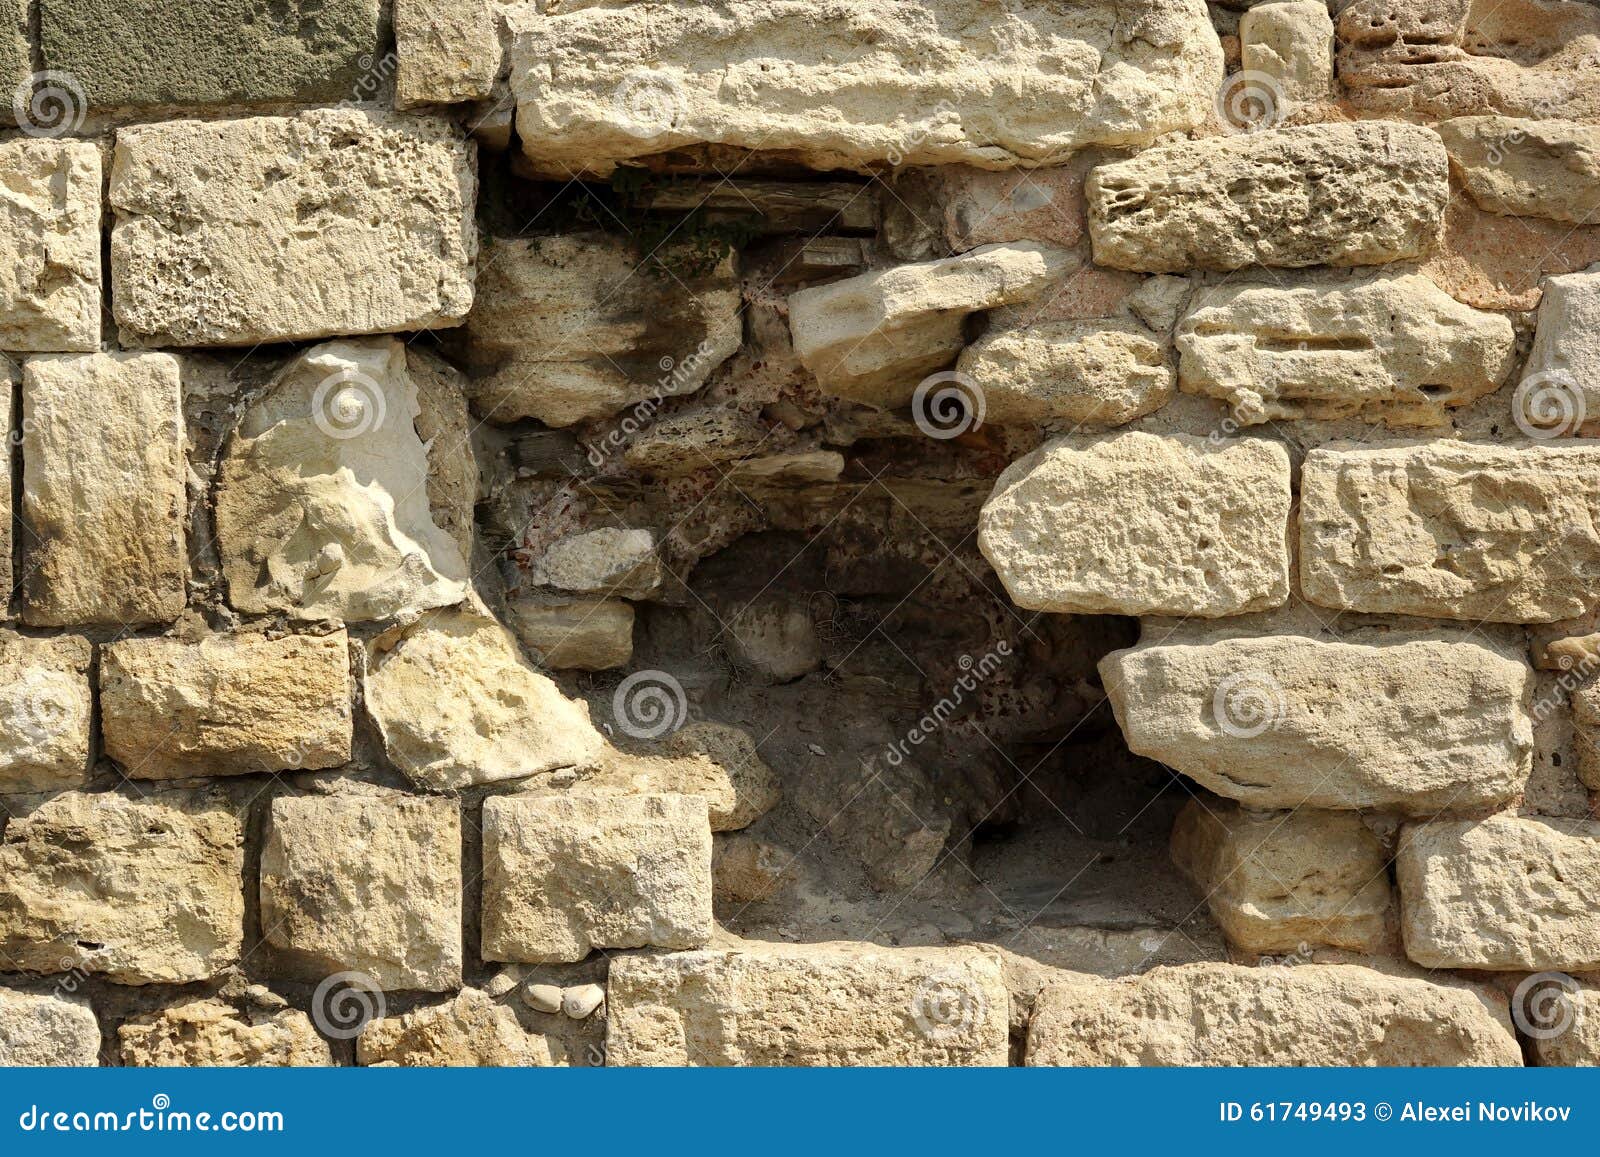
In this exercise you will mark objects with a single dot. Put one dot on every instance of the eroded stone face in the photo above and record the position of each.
(211, 1033)
(1276, 881)
(447, 50)
(47, 1030)
(871, 338)
(227, 705)
(581, 634)
(368, 884)
(220, 226)
(46, 711)
(609, 561)
(1386, 347)
(1563, 368)
(808, 1004)
(1335, 194)
(580, 326)
(457, 705)
(469, 1030)
(714, 761)
(103, 496)
(50, 226)
(1310, 1014)
(1506, 893)
(1452, 530)
(1413, 723)
(229, 52)
(1137, 524)
(1527, 168)
(143, 890)
(989, 86)
(323, 503)
(1069, 373)
(565, 874)
(1291, 43)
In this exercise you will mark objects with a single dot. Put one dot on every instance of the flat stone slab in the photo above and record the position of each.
(808, 1004)
(220, 226)
(1413, 723)
(1452, 530)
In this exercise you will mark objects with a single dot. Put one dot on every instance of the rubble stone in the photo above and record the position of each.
(211, 1033)
(46, 712)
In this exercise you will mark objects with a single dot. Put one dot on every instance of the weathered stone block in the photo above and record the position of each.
(808, 1004)
(1385, 347)
(1452, 530)
(1275, 881)
(1334, 194)
(208, 1033)
(565, 874)
(368, 884)
(898, 82)
(137, 53)
(1527, 168)
(47, 1030)
(467, 1031)
(142, 891)
(1312, 1014)
(582, 635)
(1508, 892)
(1139, 524)
(227, 705)
(220, 226)
(609, 561)
(1412, 723)
(1564, 1014)
(446, 51)
(1291, 44)
(1563, 397)
(871, 338)
(323, 500)
(45, 712)
(103, 498)
(715, 761)
(574, 327)
(457, 705)
(50, 222)
(1094, 374)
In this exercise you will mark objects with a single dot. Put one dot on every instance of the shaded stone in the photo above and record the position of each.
(610, 561)
(582, 635)
(715, 761)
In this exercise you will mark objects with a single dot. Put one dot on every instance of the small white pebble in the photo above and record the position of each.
(815, 749)
(542, 997)
(580, 1001)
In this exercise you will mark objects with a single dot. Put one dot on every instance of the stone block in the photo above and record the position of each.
(50, 271)
(46, 712)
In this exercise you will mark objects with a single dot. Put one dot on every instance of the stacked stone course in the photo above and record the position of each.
(563, 533)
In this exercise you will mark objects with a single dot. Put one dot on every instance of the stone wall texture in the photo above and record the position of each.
(778, 532)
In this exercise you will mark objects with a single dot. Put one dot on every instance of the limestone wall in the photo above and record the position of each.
(933, 532)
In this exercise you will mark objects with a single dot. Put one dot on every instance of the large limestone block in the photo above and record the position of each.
(1564, 363)
(103, 489)
(45, 712)
(715, 761)
(322, 503)
(226, 705)
(222, 225)
(565, 874)
(1444, 58)
(809, 1005)
(446, 51)
(1393, 348)
(205, 1032)
(1508, 892)
(1277, 880)
(900, 81)
(50, 259)
(1096, 374)
(47, 1030)
(1333, 194)
(871, 338)
(469, 1031)
(1452, 530)
(582, 635)
(1312, 1014)
(1139, 524)
(145, 890)
(134, 53)
(1416, 724)
(368, 884)
(580, 326)
(457, 705)
(1290, 44)
(1527, 168)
